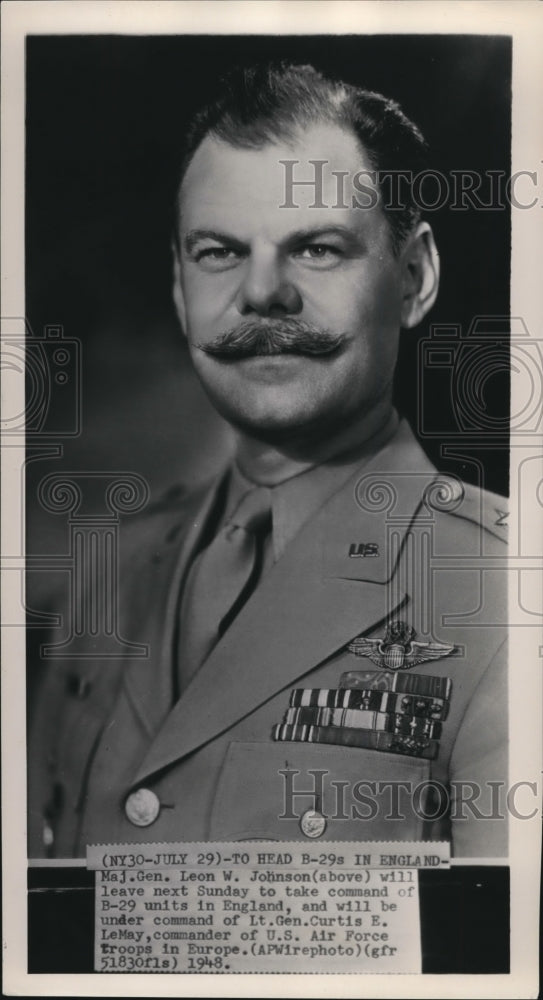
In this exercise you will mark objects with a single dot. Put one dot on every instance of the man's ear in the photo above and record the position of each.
(177, 289)
(420, 271)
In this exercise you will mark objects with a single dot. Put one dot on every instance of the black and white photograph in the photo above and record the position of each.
(272, 427)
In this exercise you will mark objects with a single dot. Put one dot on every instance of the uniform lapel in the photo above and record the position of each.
(310, 604)
(149, 682)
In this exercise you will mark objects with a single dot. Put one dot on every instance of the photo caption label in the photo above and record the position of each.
(260, 906)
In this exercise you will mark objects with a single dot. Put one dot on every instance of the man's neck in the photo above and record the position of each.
(268, 464)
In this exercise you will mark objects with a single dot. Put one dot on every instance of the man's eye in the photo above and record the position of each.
(319, 253)
(219, 252)
(213, 258)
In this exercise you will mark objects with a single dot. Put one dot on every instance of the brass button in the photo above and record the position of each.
(142, 807)
(48, 835)
(313, 823)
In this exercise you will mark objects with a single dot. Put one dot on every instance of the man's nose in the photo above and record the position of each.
(266, 288)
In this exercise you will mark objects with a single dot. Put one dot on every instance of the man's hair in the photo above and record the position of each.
(259, 105)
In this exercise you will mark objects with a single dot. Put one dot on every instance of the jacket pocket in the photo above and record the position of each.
(264, 790)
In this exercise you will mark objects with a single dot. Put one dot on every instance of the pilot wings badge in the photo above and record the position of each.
(398, 650)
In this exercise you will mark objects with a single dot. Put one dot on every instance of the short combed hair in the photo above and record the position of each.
(259, 105)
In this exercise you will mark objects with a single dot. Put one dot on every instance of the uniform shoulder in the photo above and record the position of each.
(168, 500)
(463, 500)
(177, 498)
(164, 517)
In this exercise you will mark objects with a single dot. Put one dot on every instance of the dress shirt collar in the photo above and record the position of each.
(296, 499)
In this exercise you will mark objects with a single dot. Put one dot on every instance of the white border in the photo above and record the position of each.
(522, 20)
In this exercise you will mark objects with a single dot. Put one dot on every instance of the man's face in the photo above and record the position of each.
(246, 262)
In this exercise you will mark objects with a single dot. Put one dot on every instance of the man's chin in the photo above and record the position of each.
(271, 428)
(276, 424)
(277, 398)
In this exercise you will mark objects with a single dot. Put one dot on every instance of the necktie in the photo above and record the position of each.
(221, 580)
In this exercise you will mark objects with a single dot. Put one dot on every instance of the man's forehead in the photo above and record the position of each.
(247, 184)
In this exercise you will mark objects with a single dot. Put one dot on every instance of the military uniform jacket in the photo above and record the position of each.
(397, 542)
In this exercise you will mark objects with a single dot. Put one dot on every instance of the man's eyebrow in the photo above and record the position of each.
(195, 235)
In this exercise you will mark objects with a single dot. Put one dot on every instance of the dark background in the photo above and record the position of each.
(105, 115)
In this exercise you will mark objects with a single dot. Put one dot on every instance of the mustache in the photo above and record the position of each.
(250, 339)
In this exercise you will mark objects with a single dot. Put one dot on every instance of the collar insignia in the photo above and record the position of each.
(397, 650)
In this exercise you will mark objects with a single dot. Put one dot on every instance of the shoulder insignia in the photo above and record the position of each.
(449, 495)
